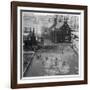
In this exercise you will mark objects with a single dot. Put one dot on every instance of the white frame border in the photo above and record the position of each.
(52, 78)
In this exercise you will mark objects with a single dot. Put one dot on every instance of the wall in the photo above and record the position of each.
(5, 44)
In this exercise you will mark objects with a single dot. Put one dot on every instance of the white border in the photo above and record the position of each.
(52, 78)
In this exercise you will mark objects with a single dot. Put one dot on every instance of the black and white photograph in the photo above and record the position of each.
(50, 43)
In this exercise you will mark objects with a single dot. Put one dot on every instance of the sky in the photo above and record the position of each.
(40, 20)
